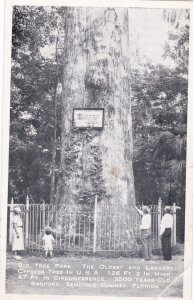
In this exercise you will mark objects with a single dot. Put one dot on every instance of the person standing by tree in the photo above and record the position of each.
(146, 231)
(18, 241)
(165, 233)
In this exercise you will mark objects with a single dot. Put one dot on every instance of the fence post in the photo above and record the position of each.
(95, 224)
(44, 215)
(11, 221)
(174, 225)
(159, 220)
(27, 221)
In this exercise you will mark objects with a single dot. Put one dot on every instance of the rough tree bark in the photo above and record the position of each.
(97, 75)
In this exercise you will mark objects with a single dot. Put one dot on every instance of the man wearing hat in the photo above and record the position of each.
(145, 231)
(165, 233)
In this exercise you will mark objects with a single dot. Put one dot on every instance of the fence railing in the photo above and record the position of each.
(98, 227)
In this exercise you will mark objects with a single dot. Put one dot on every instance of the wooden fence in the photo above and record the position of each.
(100, 227)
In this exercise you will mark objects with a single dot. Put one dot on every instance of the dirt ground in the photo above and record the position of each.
(95, 276)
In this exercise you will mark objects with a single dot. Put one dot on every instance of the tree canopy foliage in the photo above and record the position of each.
(35, 105)
(159, 108)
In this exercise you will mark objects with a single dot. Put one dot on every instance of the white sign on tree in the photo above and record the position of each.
(84, 118)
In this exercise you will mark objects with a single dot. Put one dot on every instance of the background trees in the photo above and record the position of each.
(35, 105)
(159, 110)
(159, 106)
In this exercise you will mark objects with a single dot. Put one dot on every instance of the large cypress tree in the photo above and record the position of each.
(96, 75)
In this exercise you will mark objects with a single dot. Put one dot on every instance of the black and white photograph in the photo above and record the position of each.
(95, 194)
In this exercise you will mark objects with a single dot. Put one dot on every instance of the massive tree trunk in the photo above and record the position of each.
(97, 75)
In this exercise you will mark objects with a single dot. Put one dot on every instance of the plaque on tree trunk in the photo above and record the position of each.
(88, 117)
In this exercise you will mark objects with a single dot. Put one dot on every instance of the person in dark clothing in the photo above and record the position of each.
(165, 233)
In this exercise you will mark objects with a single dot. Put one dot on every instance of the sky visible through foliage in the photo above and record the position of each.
(148, 32)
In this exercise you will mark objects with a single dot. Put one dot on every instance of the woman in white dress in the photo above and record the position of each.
(18, 241)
